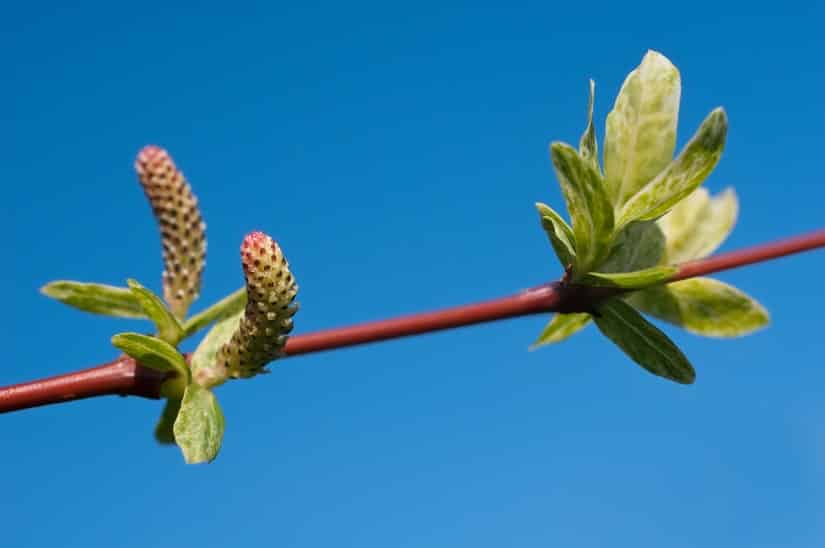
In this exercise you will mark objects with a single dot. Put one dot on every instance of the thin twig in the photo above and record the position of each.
(125, 377)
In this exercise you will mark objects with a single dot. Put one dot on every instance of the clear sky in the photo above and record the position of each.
(395, 151)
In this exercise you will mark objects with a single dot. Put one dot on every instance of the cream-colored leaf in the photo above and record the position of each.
(588, 204)
(641, 129)
(699, 224)
(588, 145)
(680, 177)
(559, 233)
(703, 306)
(560, 328)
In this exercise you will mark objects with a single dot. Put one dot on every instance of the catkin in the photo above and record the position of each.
(182, 230)
(267, 320)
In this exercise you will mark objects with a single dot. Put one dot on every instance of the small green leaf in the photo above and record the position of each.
(205, 368)
(156, 354)
(150, 351)
(96, 298)
(703, 306)
(199, 426)
(682, 176)
(169, 328)
(643, 342)
(228, 306)
(560, 234)
(641, 129)
(164, 433)
(698, 225)
(631, 280)
(560, 328)
(639, 246)
(588, 146)
(590, 209)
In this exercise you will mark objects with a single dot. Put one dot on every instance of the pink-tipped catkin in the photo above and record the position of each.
(182, 230)
(267, 319)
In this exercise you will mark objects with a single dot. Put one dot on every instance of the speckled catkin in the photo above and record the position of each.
(182, 230)
(263, 329)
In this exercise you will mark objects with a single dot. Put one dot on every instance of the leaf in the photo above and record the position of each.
(699, 224)
(163, 431)
(682, 176)
(639, 246)
(150, 351)
(640, 135)
(95, 298)
(199, 426)
(169, 328)
(228, 306)
(703, 306)
(560, 328)
(590, 210)
(205, 370)
(156, 354)
(631, 280)
(588, 146)
(643, 342)
(560, 234)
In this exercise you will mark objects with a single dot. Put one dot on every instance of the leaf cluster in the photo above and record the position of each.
(191, 417)
(634, 219)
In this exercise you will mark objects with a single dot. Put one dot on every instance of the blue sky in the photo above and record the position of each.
(396, 152)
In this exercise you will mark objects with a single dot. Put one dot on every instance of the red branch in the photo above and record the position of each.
(125, 377)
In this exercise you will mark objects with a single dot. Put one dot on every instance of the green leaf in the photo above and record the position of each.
(631, 280)
(164, 433)
(199, 426)
(169, 328)
(703, 306)
(699, 224)
(643, 342)
(205, 369)
(96, 298)
(641, 129)
(156, 354)
(228, 306)
(588, 146)
(590, 209)
(560, 328)
(560, 234)
(639, 246)
(682, 176)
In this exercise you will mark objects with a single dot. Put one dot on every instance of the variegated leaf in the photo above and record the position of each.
(95, 298)
(156, 354)
(703, 306)
(588, 204)
(699, 224)
(169, 328)
(641, 129)
(205, 367)
(560, 234)
(682, 176)
(560, 328)
(199, 426)
(631, 280)
(588, 146)
(643, 342)
(639, 246)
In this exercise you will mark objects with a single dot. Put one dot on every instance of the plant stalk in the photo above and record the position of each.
(125, 377)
